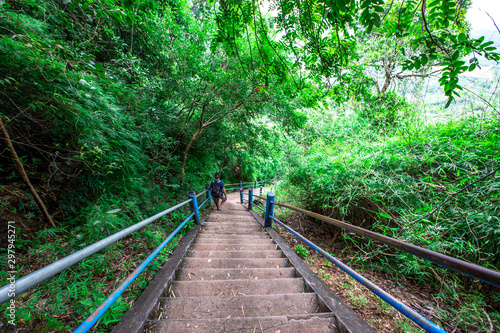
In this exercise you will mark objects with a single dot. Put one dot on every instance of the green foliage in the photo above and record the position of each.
(386, 111)
(116, 108)
(94, 277)
(385, 173)
(301, 251)
(353, 177)
(108, 93)
(324, 38)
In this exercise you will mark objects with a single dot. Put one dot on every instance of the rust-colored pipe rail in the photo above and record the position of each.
(478, 272)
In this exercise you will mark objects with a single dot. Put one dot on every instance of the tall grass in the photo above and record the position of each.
(386, 177)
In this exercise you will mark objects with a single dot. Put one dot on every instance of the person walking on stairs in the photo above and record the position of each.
(218, 191)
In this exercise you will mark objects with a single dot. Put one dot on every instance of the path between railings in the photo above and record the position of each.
(232, 275)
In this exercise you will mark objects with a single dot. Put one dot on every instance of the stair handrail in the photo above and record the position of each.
(484, 274)
(26, 282)
(413, 315)
(476, 271)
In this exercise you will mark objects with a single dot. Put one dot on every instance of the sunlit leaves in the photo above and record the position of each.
(323, 35)
(370, 17)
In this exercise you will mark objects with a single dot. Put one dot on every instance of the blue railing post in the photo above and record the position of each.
(194, 206)
(269, 210)
(250, 198)
(260, 191)
(255, 184)
(264, 182)
(241, 186)
(241, 195)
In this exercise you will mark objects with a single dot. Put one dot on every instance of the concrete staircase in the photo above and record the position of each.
(235, 279)
(231, 275)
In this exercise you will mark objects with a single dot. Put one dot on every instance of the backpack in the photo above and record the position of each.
(216, 189)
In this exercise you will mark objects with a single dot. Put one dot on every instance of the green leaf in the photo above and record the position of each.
(424, 60)
(487, 44)
(385, 215)
(450, 99)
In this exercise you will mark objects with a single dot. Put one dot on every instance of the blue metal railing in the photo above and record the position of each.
(461, 266)
(208, 199)
(31, 280)
(479, 272)
(253, 184)
(414, 316)
(101, 309)
(238, 188)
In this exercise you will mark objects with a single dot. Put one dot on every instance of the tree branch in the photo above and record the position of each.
(23, 174)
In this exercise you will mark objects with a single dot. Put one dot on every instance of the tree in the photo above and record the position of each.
(323, 36)
(208, 85)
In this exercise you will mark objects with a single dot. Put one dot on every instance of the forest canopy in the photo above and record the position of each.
(322, 40)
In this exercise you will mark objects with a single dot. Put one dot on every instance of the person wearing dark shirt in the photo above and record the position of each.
(218, 191)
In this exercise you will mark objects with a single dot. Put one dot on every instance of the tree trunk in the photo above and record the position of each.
(387, 82)
(186, 151)
(23, 174)
(201, 127)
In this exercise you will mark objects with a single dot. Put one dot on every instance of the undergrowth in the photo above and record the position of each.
(389, 182)
(65, 300)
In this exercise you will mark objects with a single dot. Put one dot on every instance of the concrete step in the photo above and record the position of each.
(232, 218)
(234, 263)
(231, 230)
(234, 254)
(236, 287)
(243, 212)
(229, 213)
(232, 224)
(234, 241)
(311, 323)
(238, 306)
(226, 222)
(193, 274)
(206, 235)
(235, 247)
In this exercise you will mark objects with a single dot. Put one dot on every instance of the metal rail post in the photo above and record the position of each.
(260, 191)
(241, 195)
(241, 186)
(250, 198)
(269, 210)
(194, 206)
(255, 184)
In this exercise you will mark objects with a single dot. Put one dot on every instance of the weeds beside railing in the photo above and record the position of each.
(482, 273)
(31, 280)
